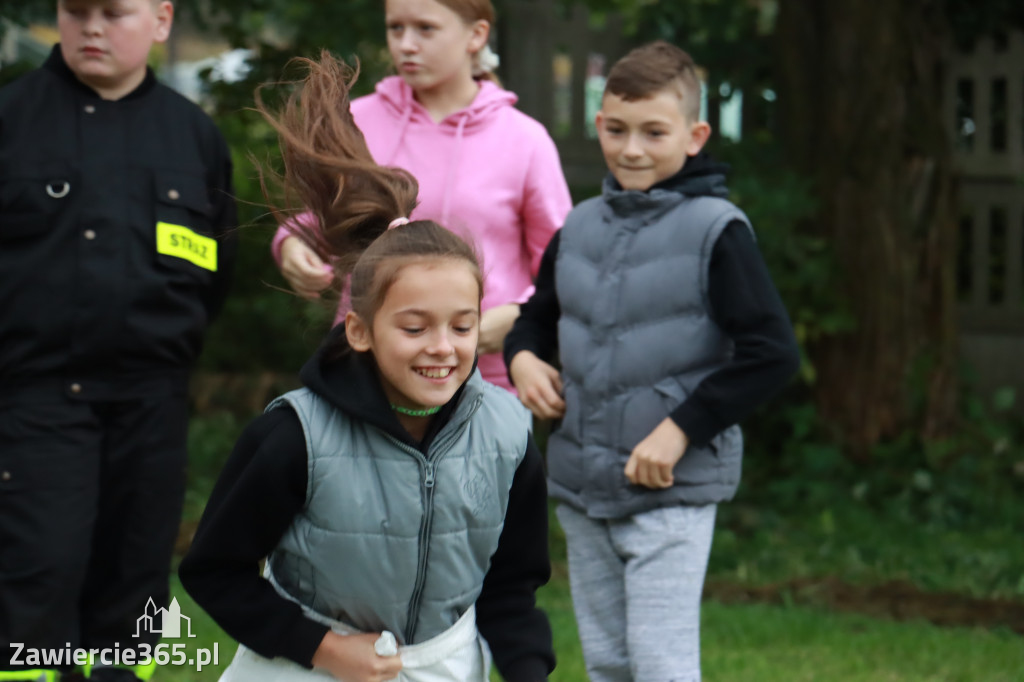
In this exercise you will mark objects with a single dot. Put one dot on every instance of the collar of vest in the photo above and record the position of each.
(640, 207)
(700, 176)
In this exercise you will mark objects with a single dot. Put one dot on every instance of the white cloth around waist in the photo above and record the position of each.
(458, 653)
(428, 652)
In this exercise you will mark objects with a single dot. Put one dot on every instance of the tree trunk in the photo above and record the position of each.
(861, 111)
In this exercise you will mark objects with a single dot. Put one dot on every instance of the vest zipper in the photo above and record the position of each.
(437, 452)
(421, 569)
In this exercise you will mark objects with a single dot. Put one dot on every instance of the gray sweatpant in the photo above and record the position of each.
(636, 589)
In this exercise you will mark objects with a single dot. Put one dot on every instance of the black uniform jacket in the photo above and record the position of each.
(116, 232)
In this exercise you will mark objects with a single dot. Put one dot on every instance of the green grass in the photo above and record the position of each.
(758, 643)
(867, 546)
(554, 598)
(791, 644)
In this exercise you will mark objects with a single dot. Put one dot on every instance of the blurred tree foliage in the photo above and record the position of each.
(844, 167)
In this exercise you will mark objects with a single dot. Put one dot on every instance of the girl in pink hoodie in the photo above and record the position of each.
(485, 170)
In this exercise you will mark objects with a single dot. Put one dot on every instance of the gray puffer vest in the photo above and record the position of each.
(391, 539)
(635, 338)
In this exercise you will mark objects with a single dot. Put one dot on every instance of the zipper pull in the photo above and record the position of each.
(428, 481)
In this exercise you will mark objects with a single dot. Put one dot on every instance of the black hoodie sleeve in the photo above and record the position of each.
(536, 328)
(261, 488)
(747, 307)
(518, 632)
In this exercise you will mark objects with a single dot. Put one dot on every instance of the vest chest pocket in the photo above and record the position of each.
(645, 408)
(183, 233)
(33, 198)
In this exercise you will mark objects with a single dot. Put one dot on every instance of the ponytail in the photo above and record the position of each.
(361, 208)
(328, 168)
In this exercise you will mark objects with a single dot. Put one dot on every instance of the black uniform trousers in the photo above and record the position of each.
(90, 504)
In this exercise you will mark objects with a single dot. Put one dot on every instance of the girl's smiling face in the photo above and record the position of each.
(424, 335)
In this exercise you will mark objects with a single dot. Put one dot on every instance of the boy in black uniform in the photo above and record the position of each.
(116, 212)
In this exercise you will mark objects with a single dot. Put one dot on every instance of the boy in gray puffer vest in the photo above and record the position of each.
(669, 331)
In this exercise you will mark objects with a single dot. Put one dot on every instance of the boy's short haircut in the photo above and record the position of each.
(651, 68)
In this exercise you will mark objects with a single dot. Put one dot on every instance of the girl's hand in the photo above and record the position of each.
(305, 271)
(495, 323)
(652, 460)
(351, 658)
(539, 385)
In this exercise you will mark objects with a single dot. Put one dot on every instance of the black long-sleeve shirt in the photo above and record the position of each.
(744, 304)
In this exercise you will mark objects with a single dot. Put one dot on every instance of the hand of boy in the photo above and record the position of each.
(539, 385)
(653, 458)
(305, 271)
(352, 658)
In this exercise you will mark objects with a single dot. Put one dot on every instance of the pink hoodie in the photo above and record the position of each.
(488, 172)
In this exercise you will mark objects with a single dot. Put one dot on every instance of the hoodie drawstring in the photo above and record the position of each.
(402, 127)
(449, 181)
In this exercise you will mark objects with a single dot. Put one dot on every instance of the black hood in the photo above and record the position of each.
(700, 176)
(349, 380)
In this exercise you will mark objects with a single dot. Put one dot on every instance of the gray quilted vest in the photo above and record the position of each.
(390, 539)
(635, 339)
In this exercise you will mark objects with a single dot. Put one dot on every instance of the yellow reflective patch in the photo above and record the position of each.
(181, 242)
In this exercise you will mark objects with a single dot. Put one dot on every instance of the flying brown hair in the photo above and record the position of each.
(328, 168)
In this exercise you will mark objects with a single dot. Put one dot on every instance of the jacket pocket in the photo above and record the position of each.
(22, 227)
(182, 231)
(33, 197)
(645, 408)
